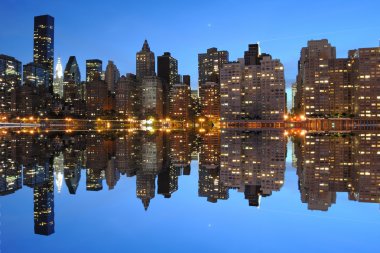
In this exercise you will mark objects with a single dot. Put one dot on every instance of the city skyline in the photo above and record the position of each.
(275, 41)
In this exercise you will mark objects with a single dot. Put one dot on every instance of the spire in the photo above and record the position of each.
(146, 202)
(146, 47)
(58, 69)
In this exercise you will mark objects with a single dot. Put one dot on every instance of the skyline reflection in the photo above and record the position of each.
(251, 162)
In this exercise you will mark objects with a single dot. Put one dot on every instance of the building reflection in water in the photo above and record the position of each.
(331, 163)
(251, 162)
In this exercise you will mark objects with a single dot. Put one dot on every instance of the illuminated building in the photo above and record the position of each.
(179, 102)
(94, 69)
(112, 75)
(167, 70)
(209, 94)
(323, 86)
(253, 92)
(35, 75)
(43, 48)
(145, 62)
(210, 63)
(365, 77)
(127, 96)
(58, 79)
(151, 97)
(33, 97)
(10, 81)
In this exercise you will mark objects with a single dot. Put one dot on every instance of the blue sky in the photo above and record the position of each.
(116, 29)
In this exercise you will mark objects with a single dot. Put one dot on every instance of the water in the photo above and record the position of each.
(181, 191)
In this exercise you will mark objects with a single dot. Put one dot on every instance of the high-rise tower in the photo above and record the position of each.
(43, 49)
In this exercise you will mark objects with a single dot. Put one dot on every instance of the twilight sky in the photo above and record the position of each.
(115, 29)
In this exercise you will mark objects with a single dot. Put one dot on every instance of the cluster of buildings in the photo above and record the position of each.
(330, 87)
(39, 89)
(249, 89)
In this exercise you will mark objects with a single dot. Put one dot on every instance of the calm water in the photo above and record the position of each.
(223, 191)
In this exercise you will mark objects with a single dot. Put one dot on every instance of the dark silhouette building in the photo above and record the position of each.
(43, 49)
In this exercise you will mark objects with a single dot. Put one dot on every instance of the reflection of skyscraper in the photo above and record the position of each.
(253, 162)
(10, 169)
(151, 165)
(43, 49)
(365, 186)
(44, 207)
(209, 184)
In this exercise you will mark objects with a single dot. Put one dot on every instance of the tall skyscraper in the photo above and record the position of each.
(94, 69)
(72, 72)
(210, 63)
(145, 62)
(58, 79)
(43, 49)
(10, 80)
(112, 75)
(167, 70)
(315, 90)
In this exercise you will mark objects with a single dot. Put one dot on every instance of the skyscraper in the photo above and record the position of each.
(167, 70)
(112, 75)
(43, 50)
(210, 63)
(365, 78)
(72, 72)
(145, 62)
(58, 79)
(151, 97)
(127, 96)
(315, 90)
(94, 69)
(10, 80)
(179, 102)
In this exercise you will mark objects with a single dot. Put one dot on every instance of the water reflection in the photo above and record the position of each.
(251, 162)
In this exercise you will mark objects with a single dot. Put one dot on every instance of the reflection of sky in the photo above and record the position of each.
(115, 221)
